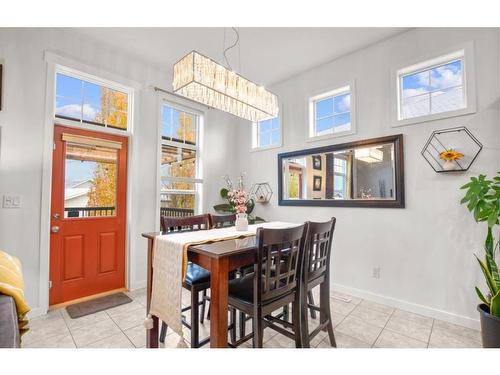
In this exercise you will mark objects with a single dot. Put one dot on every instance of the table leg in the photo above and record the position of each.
(219, 269)
(151, 334)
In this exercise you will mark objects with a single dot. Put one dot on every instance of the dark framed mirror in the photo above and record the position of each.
(366, 173)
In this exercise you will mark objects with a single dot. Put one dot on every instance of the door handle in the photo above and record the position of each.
(54, 229)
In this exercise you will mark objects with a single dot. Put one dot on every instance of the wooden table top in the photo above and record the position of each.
(217, 249)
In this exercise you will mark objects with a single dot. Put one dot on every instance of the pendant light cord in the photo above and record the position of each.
(231, 46)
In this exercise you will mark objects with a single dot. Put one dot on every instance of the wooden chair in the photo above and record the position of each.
(197, 278)
(317, 272)
(274, 284)
(221, 221)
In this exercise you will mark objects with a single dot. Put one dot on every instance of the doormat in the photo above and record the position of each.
(95, 305)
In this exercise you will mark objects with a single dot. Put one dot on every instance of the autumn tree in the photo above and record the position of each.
(185, 167)
(113, 108)
(103, 190)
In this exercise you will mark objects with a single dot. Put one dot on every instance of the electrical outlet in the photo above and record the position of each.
(376, 273)
(11, 201)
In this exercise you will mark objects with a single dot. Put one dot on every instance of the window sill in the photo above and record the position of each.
(329, 136)
(265, 148)
(438, 116)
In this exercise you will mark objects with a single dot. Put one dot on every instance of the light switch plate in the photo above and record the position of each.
(11, 201)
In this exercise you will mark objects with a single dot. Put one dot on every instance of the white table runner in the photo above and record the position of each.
(170, 260)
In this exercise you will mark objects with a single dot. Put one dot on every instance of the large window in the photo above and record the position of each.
(436, 88)
(433, 89)
(266, 133)
(180, 183)
(331, 114)
(90, 101)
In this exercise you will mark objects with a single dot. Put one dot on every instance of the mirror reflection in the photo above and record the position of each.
(359, 173)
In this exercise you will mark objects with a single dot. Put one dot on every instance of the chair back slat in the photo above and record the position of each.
(176, 224)
(318, 249)
(279, 260)
(220, 221)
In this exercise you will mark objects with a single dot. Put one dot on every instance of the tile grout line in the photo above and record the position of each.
(385, 325)
(67, 326)
(430, 334)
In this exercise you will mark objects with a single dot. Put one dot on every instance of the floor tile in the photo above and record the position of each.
(472, 334)
(279, 341)
(371, 316)
(341, 307)
(377, 306)
(118, 340)
(129, 319)
(92, 333)
(390, 339)
(343, 341)
(137, 335)
(424, 320)
(60, 341)
(441, 338)
(126, 308)
(84, 320)
(410, 328)
(342, 296)
(359, 329)
(44, 329)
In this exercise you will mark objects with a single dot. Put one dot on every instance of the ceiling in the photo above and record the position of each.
(265, 55)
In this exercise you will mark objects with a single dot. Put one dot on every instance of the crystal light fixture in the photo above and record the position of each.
(201, 79)
(369, 155)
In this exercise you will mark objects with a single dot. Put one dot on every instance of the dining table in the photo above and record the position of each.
(219, 258)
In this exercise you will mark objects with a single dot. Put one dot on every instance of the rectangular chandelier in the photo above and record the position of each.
(201, 79)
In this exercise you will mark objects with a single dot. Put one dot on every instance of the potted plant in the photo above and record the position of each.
(483, 200)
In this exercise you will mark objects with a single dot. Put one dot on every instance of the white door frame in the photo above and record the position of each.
(53, 61)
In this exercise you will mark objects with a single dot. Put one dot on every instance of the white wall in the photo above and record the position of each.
(425, 250)
(22, 135)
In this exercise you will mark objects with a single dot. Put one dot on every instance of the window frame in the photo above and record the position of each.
(77, 74)
(342, 175)
(464, 53)
(255, 136)
(350, 88)
(197, 147)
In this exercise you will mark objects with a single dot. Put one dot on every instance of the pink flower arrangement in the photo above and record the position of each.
(238, 198)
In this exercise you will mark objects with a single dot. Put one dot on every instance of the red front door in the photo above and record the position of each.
(87, 243)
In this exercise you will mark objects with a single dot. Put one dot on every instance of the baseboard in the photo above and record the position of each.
(409, 306)
(36, 311)
(137, 285)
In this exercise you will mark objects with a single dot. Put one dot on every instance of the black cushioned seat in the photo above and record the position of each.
(196, 274)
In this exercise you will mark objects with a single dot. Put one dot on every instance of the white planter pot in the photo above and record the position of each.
(449, 165)
(241, 222)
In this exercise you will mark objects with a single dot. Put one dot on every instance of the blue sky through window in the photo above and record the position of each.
(332, 114)
(435, 90)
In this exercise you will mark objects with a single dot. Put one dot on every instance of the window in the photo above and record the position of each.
(339, 177)
(91, 102)
(180, 183)
(266, 133)
(437, 88)
(331, 113)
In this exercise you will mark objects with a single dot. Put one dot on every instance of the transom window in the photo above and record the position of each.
(330, 113)
(266, 133)
(180, 184)
(88, 101)
(432, 87)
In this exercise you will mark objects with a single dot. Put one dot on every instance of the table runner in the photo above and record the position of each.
(170, 263)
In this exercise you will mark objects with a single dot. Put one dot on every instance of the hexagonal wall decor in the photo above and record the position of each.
(458, 140)
(261, 192)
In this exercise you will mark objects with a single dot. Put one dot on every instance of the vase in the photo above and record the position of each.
(241, 222)
(449, 165)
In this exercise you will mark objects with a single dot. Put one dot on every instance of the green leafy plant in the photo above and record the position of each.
(483, 201)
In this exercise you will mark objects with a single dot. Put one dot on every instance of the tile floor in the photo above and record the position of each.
(358, 324)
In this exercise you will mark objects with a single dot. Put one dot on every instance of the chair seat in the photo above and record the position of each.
(196, 274)
(242, 289)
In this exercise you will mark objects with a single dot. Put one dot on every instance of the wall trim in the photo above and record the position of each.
(409, 306)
